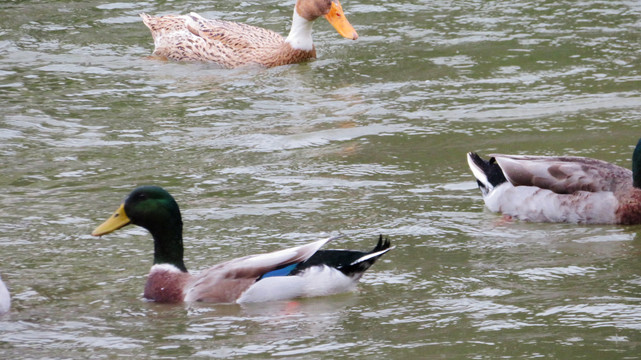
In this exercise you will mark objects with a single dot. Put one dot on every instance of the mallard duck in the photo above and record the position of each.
(193, 38)
(5, 298)
(300, 271)
(560, 189)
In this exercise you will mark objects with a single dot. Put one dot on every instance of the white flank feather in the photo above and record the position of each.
(531, 203)
(314, 281)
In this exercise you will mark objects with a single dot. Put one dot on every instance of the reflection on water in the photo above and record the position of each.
(370, 138)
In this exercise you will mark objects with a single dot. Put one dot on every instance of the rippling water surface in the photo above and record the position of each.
(370, 138)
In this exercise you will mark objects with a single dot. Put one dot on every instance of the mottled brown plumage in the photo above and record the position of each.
(192, 38)
(629, 211)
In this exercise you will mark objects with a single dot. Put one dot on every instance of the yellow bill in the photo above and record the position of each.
(337, 18)
(115, 222)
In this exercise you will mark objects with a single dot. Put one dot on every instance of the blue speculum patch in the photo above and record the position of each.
(280, 272)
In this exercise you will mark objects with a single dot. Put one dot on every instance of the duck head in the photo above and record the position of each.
(154, 209)
(332, 10)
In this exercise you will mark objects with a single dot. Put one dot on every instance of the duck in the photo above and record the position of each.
(5, 298)
(570, 189)
(193, 38)
(295, 272)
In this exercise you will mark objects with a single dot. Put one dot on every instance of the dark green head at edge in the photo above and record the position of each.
(636, 166)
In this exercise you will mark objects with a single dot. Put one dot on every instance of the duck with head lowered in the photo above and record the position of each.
(193, 38)
(299, 271)
(569, 189)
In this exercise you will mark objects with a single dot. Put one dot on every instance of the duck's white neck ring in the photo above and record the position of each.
(300, 35)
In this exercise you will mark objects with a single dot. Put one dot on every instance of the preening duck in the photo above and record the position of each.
(193, 38)
(300, 271)
(560, 189)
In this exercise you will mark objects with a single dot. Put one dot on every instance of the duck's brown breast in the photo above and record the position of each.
(166, 284)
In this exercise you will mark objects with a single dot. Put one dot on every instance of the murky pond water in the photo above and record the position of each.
(370, 138)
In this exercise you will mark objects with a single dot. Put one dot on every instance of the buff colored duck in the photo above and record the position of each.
(560, 189)
(193, 38)
(300, 271)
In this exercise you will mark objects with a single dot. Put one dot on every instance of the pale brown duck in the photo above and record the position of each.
(192, 38)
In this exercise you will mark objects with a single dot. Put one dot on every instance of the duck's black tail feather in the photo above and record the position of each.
(488, 174)
(349, 262)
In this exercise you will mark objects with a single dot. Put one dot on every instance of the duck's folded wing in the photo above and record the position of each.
(564, 174)
(256, 265)
(231, 34)
(226, 281)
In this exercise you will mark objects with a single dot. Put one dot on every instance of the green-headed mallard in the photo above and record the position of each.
(300, 271)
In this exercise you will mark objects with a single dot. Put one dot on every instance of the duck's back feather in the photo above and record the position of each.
(564, 174)
(236, 36)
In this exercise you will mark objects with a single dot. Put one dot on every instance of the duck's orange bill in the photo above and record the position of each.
(337, 18)
(115, 222)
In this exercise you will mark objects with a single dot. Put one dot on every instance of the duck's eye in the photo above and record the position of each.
(141, 196)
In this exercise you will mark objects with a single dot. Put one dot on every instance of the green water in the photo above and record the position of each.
(370, 138)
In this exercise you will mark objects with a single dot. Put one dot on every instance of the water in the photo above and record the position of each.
(370, 138)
